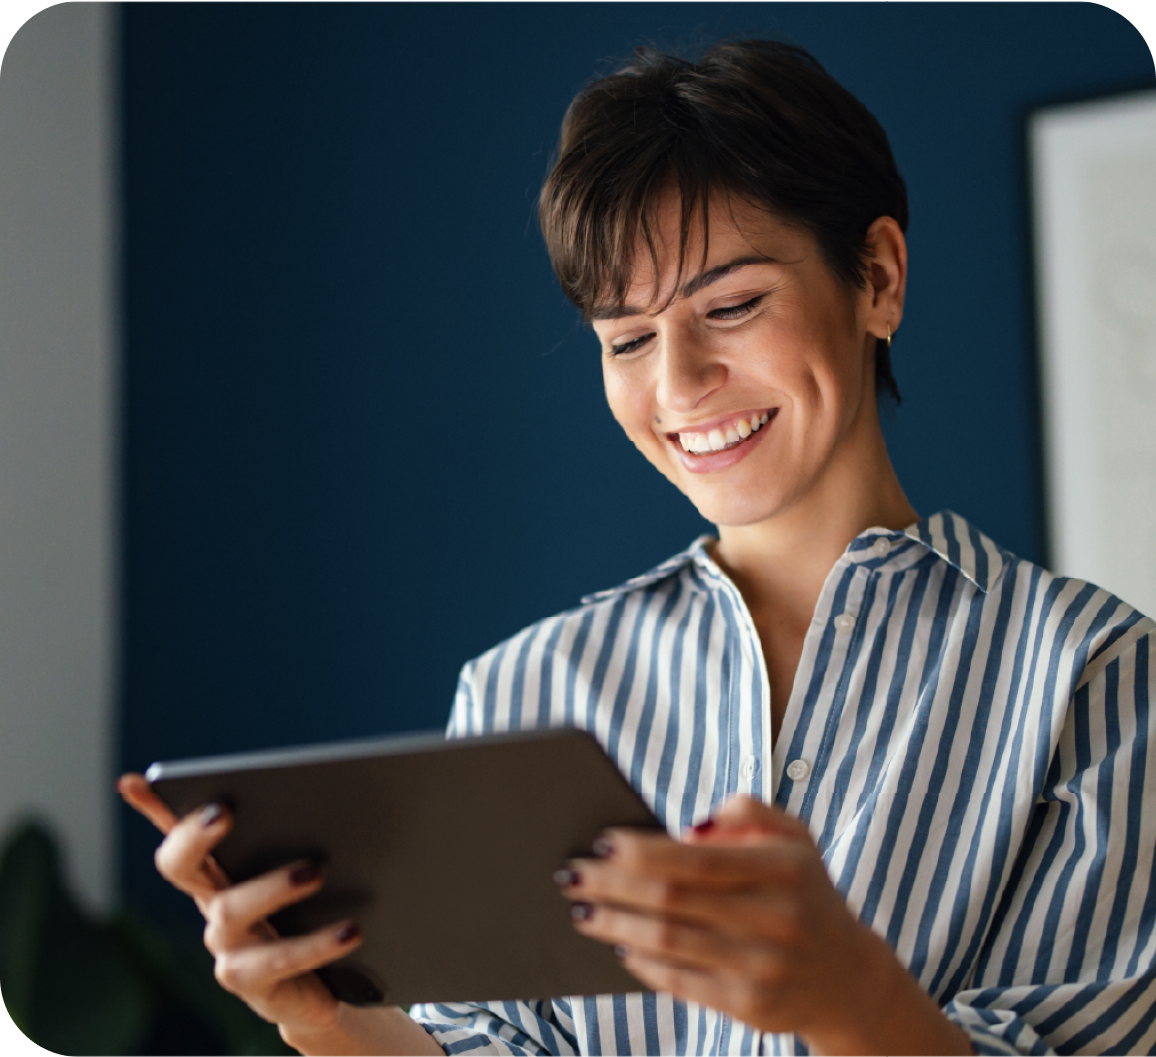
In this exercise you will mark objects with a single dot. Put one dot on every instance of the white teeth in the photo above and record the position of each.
(717, 439)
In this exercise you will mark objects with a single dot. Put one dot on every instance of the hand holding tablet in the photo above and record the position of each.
(443, 853)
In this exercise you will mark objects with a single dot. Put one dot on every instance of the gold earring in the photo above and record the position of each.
(889, 335)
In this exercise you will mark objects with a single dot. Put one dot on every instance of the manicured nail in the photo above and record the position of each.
(211, 813)
(348, 932)
(306, 874)
(565, 877)
(704, 827)
(581, 911)
(621, 950)
(603, 848)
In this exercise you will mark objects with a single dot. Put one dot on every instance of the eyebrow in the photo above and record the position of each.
(689, 289)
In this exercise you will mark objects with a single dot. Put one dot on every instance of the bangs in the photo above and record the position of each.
(598, 228)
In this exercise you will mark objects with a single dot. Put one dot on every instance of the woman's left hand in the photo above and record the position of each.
(740, 915)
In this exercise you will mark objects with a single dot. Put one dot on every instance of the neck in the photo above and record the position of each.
(781, 564)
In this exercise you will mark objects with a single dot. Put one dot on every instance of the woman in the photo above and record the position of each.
(906, 767)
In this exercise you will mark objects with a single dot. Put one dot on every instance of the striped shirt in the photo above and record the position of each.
(967, 740)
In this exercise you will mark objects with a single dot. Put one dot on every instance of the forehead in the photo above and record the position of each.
(664, 259)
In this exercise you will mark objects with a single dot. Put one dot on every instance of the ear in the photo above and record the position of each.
(886, 276)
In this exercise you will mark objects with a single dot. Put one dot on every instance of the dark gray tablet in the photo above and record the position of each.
(443, 851)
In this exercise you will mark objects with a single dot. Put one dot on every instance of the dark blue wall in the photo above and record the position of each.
(364, 433)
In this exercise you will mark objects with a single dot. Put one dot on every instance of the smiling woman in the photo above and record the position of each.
(902, 770)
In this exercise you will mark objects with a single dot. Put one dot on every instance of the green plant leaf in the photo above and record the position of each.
(67, 979)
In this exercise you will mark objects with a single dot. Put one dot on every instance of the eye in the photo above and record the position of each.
(736, 311)
(630, 346)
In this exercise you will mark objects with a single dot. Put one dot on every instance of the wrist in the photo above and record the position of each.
(886, 1012)
(363, 1030)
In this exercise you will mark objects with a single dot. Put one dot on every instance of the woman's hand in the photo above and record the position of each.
(741, 916)
(272, 975)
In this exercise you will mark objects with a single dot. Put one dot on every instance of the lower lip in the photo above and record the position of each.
(721, 460)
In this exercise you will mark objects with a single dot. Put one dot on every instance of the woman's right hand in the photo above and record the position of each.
(273, 975)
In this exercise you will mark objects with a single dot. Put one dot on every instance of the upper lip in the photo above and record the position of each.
(721, 422)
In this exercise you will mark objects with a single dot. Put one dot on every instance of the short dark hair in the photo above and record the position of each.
(755, 119)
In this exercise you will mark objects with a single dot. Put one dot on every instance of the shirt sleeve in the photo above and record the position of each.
(1069, 963)
(498, 1027)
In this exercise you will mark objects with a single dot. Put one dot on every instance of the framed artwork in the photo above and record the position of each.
(1094, 189)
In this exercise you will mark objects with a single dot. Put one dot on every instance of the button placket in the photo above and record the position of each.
(811, 787)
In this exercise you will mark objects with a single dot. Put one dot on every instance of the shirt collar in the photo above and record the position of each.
(946, 534)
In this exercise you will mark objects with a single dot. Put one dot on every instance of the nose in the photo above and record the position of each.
(688, 372)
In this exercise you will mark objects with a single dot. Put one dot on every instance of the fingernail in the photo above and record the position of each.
(704, 827)
(603, 848)
(581, 911)
(211, 814)
(564, 877)
(303, 875)
(621, 950)
(348, 932)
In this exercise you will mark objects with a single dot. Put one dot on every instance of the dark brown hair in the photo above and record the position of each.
(758, 120)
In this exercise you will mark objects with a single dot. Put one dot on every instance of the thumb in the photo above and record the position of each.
(745, 816)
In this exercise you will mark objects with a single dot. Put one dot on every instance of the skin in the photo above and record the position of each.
(741, 915)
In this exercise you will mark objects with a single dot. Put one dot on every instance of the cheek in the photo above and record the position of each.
(627, 399)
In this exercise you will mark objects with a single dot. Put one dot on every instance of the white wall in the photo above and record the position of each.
(57, 434)
(1094, 167)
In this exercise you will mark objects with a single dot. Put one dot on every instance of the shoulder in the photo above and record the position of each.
(539, 676)
(1072, 627)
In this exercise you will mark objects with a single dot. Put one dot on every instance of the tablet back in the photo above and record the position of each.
(443, 852)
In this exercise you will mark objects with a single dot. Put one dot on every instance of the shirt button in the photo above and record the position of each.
(748, 768)
(882, 547)
(844, 622)
(797, 770)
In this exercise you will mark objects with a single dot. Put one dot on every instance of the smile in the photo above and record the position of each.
(724, 436)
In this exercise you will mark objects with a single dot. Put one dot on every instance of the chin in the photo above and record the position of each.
(737, 511)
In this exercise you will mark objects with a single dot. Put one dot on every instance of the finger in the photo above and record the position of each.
(183, 857)
(763, 916)
(138, 794)
(235, 916)
(256, 970)
(688, 945)
(745, 811)
(717, 990)
(642, 863)
(744, 820)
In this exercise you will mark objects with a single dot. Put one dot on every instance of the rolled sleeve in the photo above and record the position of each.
(1068, 965)
(496, 1027)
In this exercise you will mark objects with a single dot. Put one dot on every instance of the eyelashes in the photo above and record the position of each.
(630, 346)
(729, 313)
(736, 311)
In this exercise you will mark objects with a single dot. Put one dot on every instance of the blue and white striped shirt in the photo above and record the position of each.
(967, 739)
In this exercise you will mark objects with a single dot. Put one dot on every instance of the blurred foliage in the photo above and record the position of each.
(76, 985)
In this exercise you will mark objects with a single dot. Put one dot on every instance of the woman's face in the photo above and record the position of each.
(756, 382)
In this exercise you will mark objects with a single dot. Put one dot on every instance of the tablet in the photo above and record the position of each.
(442, 851)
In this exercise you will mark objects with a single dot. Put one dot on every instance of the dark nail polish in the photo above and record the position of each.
(704, 827)
(348, 932)
(603, 848)
(621, 950)
(566, 877)
(581, 911)
(303, 875)
(211, 814)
